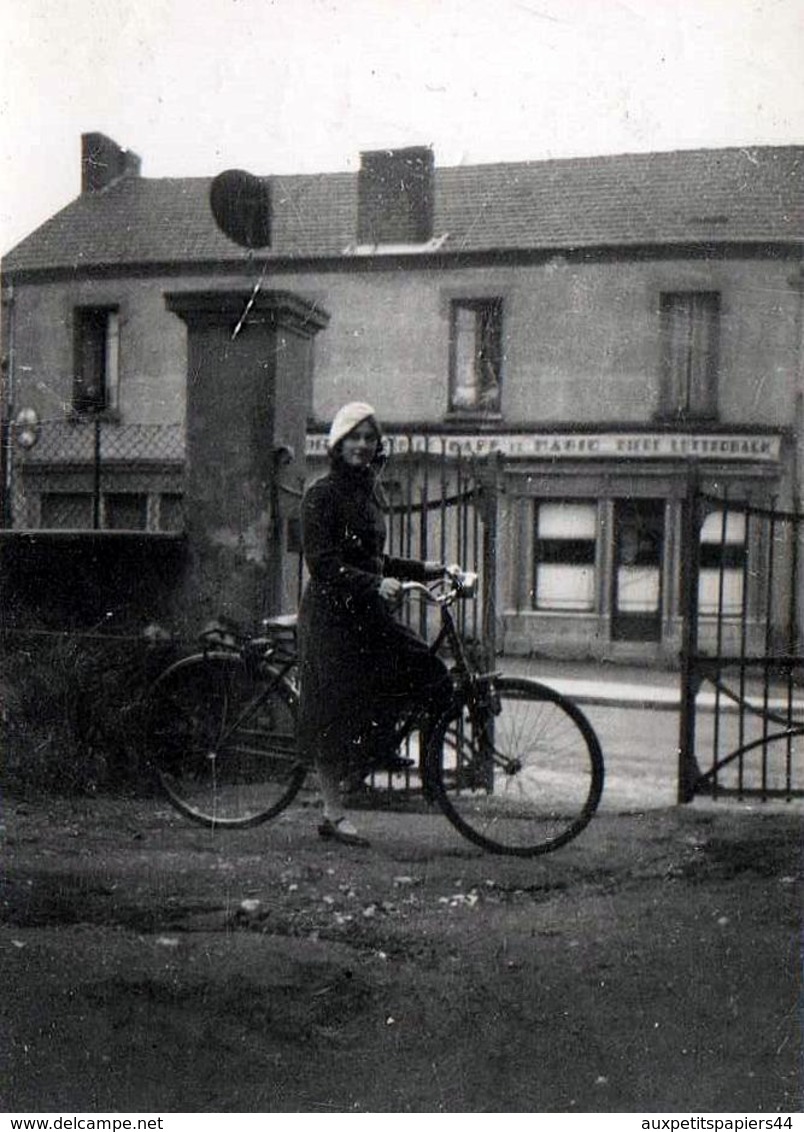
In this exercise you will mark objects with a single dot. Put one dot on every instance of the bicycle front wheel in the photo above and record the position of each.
(516, 767)
(222, 739)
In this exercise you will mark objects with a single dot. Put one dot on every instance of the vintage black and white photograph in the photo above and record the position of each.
(401, 559)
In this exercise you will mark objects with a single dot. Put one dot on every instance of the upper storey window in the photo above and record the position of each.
(96, 372)
(475, 355)
(690, 336)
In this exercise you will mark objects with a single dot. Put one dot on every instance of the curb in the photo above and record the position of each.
(652, 698)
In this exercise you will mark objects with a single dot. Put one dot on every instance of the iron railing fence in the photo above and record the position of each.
(442, 506)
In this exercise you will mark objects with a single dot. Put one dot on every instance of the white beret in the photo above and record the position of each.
(347, 418)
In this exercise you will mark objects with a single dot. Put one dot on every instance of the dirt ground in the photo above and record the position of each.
(153, 966)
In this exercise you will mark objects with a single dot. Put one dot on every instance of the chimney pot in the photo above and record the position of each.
(396, 196)
(103, 162)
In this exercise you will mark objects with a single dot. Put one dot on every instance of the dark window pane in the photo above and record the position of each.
(66, 511)
(572, 551)
(171, 512)
(91, 345)
(293, 541)
(126, 511)
(713, 555)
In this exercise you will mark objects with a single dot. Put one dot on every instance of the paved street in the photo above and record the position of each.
(635, 712)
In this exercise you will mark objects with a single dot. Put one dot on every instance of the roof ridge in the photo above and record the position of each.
(628, 155)
(726, 196)
(527, 163)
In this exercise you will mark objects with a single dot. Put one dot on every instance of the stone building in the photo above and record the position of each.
(604, 323)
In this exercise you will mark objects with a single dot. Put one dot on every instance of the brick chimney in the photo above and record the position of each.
(103, 162)
(395, 196)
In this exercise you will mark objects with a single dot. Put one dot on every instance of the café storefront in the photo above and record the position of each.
(590, 534)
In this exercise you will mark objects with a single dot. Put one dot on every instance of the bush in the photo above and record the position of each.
(72, 710)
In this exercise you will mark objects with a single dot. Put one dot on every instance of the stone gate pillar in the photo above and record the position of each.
(249, 396)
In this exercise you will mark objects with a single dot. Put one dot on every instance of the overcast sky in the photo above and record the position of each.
(279, 86)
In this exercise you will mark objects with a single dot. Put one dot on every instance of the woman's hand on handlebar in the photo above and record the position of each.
(391, 591)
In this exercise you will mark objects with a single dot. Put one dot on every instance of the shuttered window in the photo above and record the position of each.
(690, 338)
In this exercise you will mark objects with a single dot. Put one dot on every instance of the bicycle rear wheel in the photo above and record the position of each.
(222, 739)
(517, 769)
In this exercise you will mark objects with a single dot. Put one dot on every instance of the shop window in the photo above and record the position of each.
(62, 510)
(126, 511)
(564, 556)
(722, 564)
(475, 355)
(690, 334)
(96, 362)
(638, 562)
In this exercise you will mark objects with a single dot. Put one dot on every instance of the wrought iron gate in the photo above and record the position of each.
(742, 668)
(444, 506)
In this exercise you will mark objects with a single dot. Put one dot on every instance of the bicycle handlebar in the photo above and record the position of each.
(461, 583)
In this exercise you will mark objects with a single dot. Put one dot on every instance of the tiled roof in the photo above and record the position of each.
(695, 196)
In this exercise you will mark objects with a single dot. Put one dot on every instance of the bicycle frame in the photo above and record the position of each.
(264, 657)
(468, 683)
(276, 662)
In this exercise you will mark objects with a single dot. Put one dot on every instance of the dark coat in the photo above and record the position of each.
(358, 665)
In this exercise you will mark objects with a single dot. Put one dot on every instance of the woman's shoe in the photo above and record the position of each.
(342, 830)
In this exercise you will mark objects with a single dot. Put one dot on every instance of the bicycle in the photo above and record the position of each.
(514, 765)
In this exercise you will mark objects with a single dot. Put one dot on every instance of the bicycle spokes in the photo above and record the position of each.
(223, 740)
(523, 780)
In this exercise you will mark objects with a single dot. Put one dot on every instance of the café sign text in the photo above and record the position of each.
(579, 445)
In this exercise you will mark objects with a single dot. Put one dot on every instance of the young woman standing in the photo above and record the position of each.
(359, 666)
